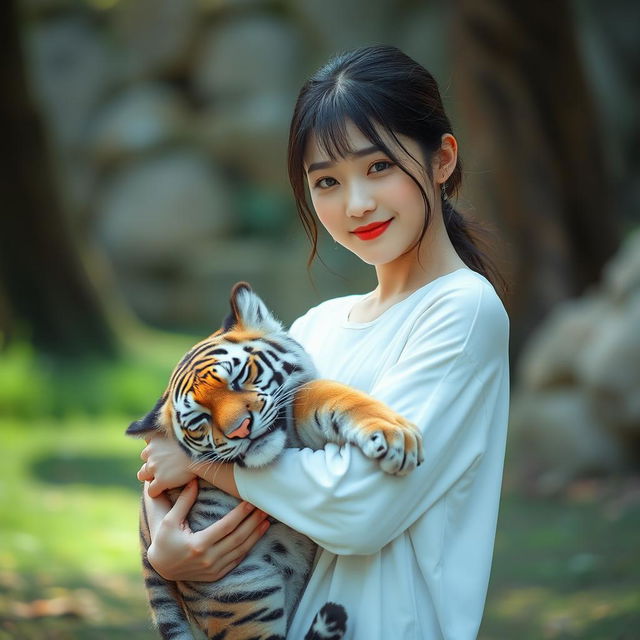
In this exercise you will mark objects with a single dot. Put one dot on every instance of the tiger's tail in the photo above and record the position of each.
(330, 623)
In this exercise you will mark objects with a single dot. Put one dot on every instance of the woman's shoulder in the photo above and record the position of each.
(327, 312)
(466, 288)
(462, 308)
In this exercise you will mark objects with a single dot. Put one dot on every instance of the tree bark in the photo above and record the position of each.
(47, 295)
(534, 159)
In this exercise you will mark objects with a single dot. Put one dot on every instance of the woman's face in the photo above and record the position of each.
(366, 202)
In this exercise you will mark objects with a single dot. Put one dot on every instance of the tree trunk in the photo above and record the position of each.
(534, 160)
(46, 294)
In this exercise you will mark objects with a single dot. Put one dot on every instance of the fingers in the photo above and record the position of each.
(155, 489)
(239, 553)
(226, 524)
(254, 535)
(239, 541)
(156, 509)
(183, 504)
(145, 473)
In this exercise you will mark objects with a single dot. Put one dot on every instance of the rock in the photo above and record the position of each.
(252, 139)
(550, 358)
(622, 274)
(576, 404)
(609, 367)
(156, 213)
(340, 25)
(250, 101)
(141, 119)
(71, 69)
(246, 57)
(156, 37)
(556, 438)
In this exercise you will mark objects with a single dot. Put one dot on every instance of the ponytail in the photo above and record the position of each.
(466, 237)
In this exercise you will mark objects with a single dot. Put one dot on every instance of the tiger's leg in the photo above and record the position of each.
(164, 600)
(325, 410)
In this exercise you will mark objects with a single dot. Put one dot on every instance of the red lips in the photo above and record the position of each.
(373, 230)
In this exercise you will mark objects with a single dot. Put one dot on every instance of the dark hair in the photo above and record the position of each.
(379, 89)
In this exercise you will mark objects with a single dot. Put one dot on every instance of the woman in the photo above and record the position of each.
(408, 557)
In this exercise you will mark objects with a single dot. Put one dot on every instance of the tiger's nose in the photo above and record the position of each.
(242, 431)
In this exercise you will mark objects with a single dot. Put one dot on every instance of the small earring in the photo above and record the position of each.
(443, 191)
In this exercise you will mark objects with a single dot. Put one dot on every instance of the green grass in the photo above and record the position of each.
(68, 529)
(567, 568)
(564, 569)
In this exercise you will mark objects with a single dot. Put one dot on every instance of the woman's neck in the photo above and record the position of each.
(434, 257)
(397, 280)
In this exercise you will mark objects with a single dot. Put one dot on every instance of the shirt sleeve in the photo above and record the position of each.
(446, 381)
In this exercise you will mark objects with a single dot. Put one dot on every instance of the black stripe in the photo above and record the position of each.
(276, 614)
(247, 596)
(278, 547)
(250, 617)
(152, 581)
(275, 345)
(162, 601)
(169, 630)
(214, 613)
(208, 502)
(246, 568)
(290, 368)
(263, 356)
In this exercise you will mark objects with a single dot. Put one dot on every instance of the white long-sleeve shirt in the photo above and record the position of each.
(409, 558)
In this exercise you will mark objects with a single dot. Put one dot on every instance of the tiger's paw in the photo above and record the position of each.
(396, 444)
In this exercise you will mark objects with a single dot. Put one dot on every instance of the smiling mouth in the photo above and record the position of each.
(373, 230)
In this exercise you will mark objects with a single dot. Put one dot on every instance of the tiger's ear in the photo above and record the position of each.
(150, 422)
(249, 311)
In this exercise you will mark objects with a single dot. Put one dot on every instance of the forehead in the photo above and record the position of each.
(354, 140)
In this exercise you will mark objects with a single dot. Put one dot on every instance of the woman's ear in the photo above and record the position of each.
(445, 158)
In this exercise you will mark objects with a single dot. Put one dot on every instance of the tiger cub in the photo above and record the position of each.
(242, 395)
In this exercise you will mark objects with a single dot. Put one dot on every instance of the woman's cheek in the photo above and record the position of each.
(328, 215)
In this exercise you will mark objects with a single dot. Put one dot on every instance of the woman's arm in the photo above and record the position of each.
(452, 381)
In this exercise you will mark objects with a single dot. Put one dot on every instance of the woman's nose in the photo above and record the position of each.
(360, 201)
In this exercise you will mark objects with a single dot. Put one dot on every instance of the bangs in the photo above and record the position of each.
(335, 110)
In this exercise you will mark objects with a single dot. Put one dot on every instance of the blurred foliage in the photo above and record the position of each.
(33, 387)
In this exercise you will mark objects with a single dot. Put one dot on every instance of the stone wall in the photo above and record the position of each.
(168, 121)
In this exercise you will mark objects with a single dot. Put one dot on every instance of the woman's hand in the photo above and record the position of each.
(166, 465)
(177, 553)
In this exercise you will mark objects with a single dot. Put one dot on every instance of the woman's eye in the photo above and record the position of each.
(326, 183)
(376, 167)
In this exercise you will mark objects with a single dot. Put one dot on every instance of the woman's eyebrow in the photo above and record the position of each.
(325, 164)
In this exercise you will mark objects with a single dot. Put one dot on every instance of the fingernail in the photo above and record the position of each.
(248, 507)
(264, 526)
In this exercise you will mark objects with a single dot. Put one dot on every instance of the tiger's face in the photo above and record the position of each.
(227, 399)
